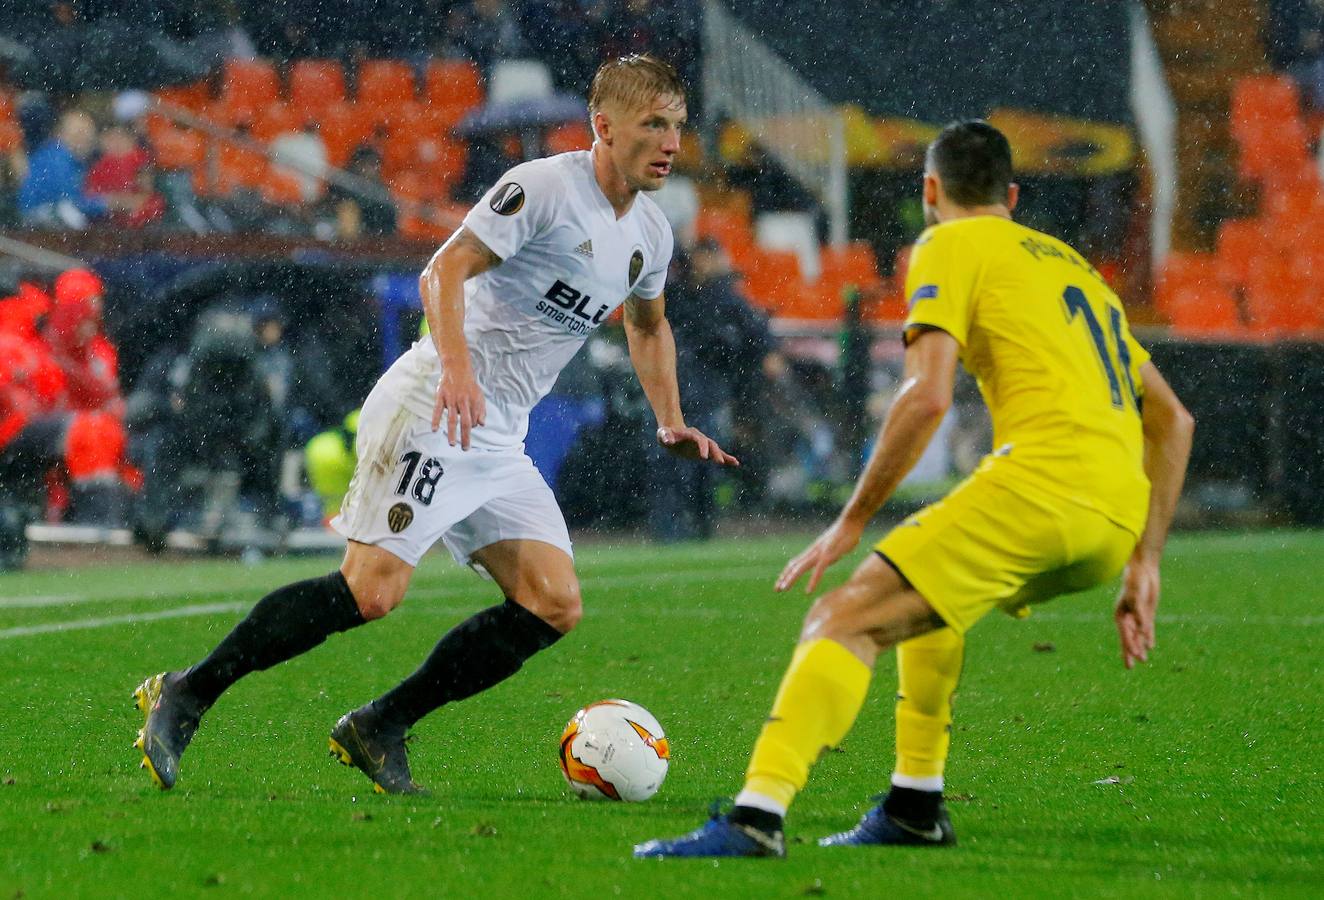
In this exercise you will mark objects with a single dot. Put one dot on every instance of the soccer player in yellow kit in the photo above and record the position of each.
(1090, 450)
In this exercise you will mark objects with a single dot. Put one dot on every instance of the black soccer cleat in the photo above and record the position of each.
(877, 828)
(360, 740)
(172, 719)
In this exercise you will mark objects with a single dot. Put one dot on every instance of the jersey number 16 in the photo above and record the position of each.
(1077, 304)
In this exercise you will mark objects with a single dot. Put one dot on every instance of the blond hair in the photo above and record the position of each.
(633, 81)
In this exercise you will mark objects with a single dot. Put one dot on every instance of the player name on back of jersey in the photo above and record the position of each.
(578, 312)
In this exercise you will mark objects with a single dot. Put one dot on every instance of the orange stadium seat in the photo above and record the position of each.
(815, 302)
(178, 148)
(236, 167)
(1240, 244)
(728, 227)
(1263, 100)
(342, 129)
(281, 188)
(1189, 294)
(1284, 299)
(852, 264)
(773, 280)
(316, 84)
(1202, 310)
(384, 82)
(251, 84)
(453, 87)
(567, 137)
(193, 97)
(1293, 215)
(276, 119)
(1267, 152)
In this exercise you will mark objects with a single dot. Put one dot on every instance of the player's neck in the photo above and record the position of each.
(611, 182)
(952, 212)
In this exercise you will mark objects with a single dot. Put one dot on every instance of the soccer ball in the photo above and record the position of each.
(614, 750)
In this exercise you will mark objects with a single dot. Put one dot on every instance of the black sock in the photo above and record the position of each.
(480, 652)
(283, 624)
(753, 817)
(911, 805)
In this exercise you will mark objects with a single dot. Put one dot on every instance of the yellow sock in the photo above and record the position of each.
(928, 668)
(820, 696)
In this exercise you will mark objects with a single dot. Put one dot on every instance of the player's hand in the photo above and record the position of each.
(1136, 607)
(841, 538)
(691, 443)
(461, 402)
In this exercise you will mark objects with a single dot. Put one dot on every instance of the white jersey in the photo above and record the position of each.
(567, 264)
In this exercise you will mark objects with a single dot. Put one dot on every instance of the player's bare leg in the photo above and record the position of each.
(542, 603)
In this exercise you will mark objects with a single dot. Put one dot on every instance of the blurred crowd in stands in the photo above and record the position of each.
(284, 120)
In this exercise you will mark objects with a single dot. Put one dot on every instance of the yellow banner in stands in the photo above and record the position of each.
(1041, 144)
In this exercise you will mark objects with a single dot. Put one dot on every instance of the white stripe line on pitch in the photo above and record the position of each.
(181, 612)
(457, 591)
(43, 601)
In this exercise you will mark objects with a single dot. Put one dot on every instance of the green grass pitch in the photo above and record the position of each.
(1198, 775)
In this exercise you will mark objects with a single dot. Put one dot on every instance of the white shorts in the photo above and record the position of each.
(410, 487)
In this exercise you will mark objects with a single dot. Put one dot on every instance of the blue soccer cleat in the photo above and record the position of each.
(716, 837)
(877, 828)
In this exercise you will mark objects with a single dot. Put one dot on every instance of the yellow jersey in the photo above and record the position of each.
(1048, 342)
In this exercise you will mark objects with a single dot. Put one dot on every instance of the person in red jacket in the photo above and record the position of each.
(59, 399)
(85, 355)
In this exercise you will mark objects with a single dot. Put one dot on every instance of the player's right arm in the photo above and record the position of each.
(441, 286)
(1168, 428)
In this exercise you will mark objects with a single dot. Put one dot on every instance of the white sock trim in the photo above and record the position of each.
(927, 783)
(759, 801)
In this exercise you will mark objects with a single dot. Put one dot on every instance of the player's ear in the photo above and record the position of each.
(1013, 195)
(930, 189)
(602, 127)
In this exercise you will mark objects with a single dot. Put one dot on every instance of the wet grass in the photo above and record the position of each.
(1198, 775)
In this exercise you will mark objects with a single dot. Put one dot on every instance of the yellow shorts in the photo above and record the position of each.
(988, 545)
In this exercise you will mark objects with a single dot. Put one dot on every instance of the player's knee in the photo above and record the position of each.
(829, 617)
(559, 606)
(375, 597)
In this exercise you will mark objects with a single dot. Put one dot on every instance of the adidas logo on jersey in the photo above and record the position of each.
(585, 249)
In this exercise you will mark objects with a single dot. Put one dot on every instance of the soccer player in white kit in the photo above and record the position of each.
(539, 263)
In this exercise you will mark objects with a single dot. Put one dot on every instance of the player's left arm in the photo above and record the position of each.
(1168, 429)
(921, 402)
(653, 354)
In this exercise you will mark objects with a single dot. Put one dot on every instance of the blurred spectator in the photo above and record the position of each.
(485, 31)
(490, 156)
(568, 40)
(366, 211)
(293, 389)
(13, 172)
(723, 349)
(329, 460)
(77, 344)
(57, 411)
(200, 419)
(122, 179)
(52, 195)
(302, 155)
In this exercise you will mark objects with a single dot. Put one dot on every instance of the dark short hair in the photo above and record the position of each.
(973, 160)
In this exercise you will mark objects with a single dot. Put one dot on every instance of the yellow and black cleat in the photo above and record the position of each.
(359, 740)
(171, 719)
